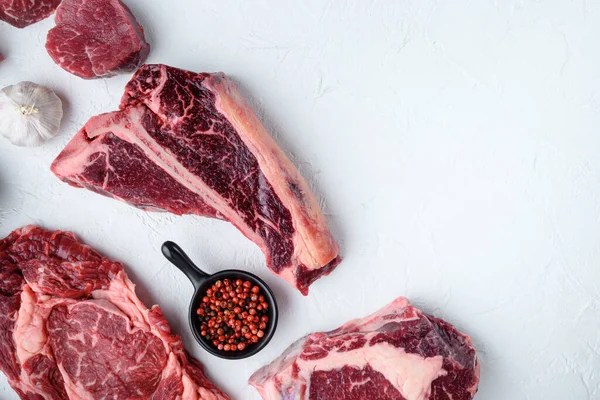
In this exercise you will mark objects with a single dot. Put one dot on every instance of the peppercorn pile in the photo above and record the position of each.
(233, 315)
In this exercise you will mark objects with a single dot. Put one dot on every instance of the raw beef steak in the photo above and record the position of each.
(188, 143)
(96, 38)
(397, 353)
(71, 327)
(22, 13)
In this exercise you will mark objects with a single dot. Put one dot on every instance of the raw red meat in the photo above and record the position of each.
(22, 13)
(96, 38)
(71, 327)
(397, 353)
(188, 143)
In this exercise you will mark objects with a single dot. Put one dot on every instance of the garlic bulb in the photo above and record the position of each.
(29, 114)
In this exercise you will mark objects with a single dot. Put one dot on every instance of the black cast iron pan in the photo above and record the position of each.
(203, 281)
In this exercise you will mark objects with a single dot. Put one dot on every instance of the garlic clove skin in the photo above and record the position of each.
(30, 114)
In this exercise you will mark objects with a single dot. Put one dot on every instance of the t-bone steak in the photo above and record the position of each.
(72, 327)
(22, 13)
(188, 143)
(96, 38)
(397, 353)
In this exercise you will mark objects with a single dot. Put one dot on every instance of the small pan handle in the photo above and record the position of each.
(178, 258)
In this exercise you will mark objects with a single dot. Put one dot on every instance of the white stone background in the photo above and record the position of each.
(454, 146)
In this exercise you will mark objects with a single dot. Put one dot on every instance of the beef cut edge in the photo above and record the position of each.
(20, 13)
(96, 38)
(72, 327)
(188, 143)
(397, 353)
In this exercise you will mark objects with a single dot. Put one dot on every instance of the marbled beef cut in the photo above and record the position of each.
(188, 143)
(72, 327)
(397, 353)
(96, 38)
(22, 13)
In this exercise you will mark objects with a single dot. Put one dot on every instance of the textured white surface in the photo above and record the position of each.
(454, 145)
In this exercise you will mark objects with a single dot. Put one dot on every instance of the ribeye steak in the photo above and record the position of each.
(188, 143)
(22, 13)
(72, 327)
(397, 353)
(96, 38)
